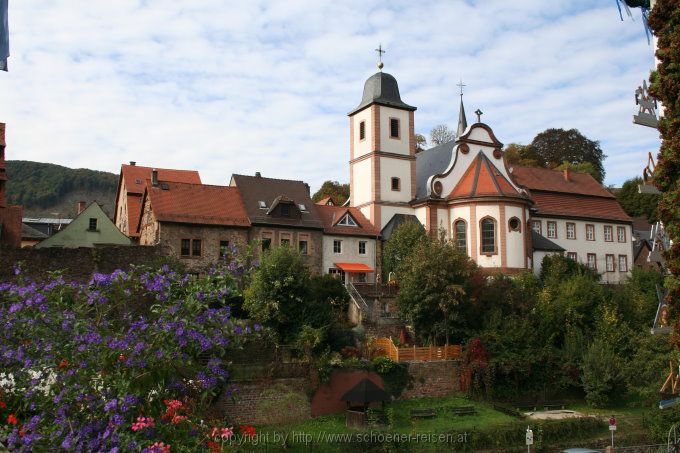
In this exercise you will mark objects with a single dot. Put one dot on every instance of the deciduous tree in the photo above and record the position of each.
(555, 146)
(441, 134)
(338, 192)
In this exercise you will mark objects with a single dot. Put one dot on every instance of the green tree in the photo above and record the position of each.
(421, 142)
(516, 154)
(554, 146)
(582, 167)
(338, 192)
(602, 374)
(432, 283)
(635, 203)
(441, 134)
(402, 242)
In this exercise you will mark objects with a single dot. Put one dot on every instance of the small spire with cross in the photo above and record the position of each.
(461, 85)
(380, 52)
(479, 115)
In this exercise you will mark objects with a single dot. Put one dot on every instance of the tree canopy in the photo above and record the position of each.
(441, 134)
(403, 241)
(556, 146)
(637, 204)
(338, 192)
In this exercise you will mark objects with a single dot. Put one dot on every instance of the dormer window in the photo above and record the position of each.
(262, 204)
(285, 210)
(347, 220)
(302, 207)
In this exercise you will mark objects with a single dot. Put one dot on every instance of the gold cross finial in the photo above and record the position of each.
(380, 52)
(461, 85)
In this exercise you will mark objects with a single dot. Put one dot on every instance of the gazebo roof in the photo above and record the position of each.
(366, 391)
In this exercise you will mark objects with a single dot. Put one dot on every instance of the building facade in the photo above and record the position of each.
(10, 215)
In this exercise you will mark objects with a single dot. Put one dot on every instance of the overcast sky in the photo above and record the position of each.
(242, 86)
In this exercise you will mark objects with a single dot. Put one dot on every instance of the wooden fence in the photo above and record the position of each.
(386, 348)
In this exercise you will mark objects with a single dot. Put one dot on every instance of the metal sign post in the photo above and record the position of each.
(612, 428)
(530, 439)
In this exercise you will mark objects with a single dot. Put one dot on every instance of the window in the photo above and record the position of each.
(285, 241)
(552, 230)
(93, 224)
(608, 233)
(185, 248)
(362, 247)
(396, 184)
(337, 246)
(572, 255)
(224, 248)
(302, 245)
(514, 224)
(592, 261)
(285, 210)
(338, 273)
(488, 236)
(262, 204)
(460, 229)
(609, 260)
(347, 221)
(362, 130)
(536, 226)
(196, 247)
(623, 263)
(394, 128)
(621, 234)
(266, 241)
(571, 230)
(302, 207)
(590, 232)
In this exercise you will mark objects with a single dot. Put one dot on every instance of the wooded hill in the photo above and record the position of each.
(48, 190)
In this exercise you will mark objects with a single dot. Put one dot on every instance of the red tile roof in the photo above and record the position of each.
(331, 215)
(134, 206)
(136, 176)
(554, 181)
(198, 204)
(552, 203)
(483, 179)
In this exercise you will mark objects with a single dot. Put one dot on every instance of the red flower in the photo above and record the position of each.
(12, 419)
(64, 363)
(121, 358)
(247, 430)
(22, 433)
(3, 405)
(214, 447)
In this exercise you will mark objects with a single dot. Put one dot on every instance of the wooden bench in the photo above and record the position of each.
(507, 410)
(464, 410)
(423, 413)
(553, 405)
(524, 406)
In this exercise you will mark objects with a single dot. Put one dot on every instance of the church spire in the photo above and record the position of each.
(462, 121)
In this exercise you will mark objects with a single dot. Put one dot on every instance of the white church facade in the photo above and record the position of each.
(506, 219)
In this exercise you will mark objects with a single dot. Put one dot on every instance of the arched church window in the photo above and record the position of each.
(514, 224)
(460, 229)
(488, 235)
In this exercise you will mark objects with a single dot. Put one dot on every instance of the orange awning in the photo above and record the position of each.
(354, 267)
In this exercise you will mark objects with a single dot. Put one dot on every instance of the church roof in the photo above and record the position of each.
(430, 162)
(540, 242)
(331, 215)
(200, 204)
(395, 222)
(382, 88)
(483, 179)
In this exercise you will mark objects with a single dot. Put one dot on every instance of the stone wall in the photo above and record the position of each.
(314, 238)
(77, 264)
(10, 225)
(267, 402)
(433, 378)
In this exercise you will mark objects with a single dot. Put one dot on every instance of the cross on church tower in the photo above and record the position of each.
(461, 85)
(479, 115)
(380, 52)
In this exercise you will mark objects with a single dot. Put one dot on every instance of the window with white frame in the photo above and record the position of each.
(347, 220)
(536, 226)
(488, 236)
(623, 263)
(337, 246)
(571, 230)
(592, 261)
(552, 230)
(609, 259)
(572, 255)
(590, 232)
(608, 233)
(461, 234)
(621, 234)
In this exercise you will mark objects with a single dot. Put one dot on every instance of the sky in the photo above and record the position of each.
(228, 87)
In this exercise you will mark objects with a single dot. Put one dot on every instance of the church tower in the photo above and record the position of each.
(382, 151)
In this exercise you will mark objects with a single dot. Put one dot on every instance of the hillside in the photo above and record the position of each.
(48, 190)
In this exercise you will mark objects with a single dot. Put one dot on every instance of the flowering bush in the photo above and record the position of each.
(127, 362)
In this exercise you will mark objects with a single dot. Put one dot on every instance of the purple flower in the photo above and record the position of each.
(111, 405)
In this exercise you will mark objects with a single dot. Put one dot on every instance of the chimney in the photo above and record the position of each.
(566, 174)
(308, 190)
(257, 174)
(154, 177)
(133, 163)
(81, 206)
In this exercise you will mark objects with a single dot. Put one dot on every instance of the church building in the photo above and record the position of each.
(504, 218)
